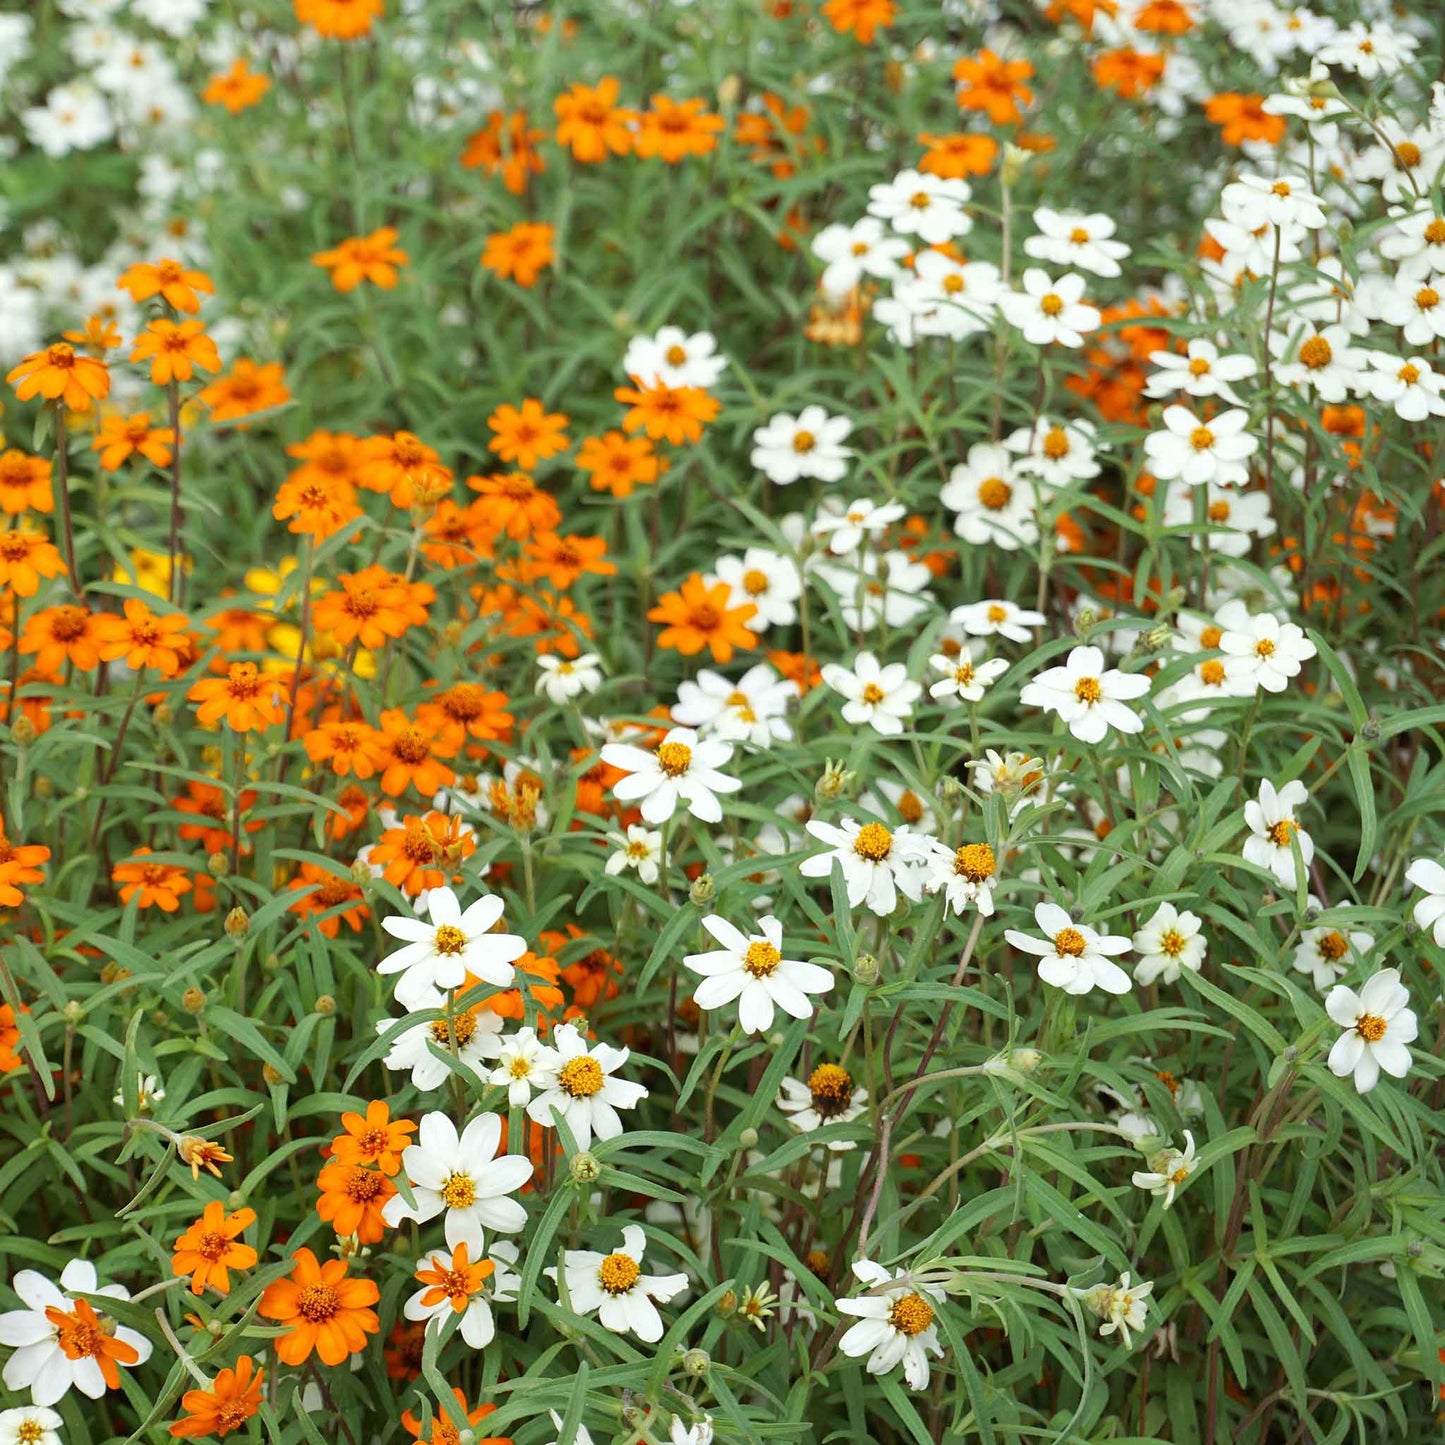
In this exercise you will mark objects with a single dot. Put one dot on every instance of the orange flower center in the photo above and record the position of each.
(243, 680)
(1201, 438)
(1209, 636)
(411, 746)
(1427, 298)
(618, 1273)
(61, 355)
(674, 758)
(1371, 1028)
(1088, 691)
(449, 939)
(581, 1077)
(994, 493)
(873, 694)
(974, 861)
(761, 959)
(363, 1185)
(755, 583)
(832, 1089)
(804, 441)
(1069, 943)
(69, 623)
(676, 355)
(212, 1246)
(1172, 942)
(1280, 833)
(873, 843)
(1212, 672)
(1056, 443)
(317, 1303)
(1316, 353)
(911, 1315)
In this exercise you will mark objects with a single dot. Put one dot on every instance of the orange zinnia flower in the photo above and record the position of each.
(520, 254)
(672, 130)
(58, 635)
(371, 606)
(457, 536)
(339, 19)
(1127, 72)
(152, 885)
(174, 350)
(413, 756)
(373, 1138)
(352, 1198)
(122, 437)
(169, 280)
(324, 1310)
(958, 155)
(211, 807)
(455, 1279)
(59, 374)
(315, 506)
(349, 746)
(775, 133)
(237, 89)
(19, 863)
(24, 483)
(506, 144)
(616, 463)
(423, 853)
(1164, 17)
(245, 389)
(513, 505)
(590, 122)
(562, 560)
(592, 977)
(81, 1335)
(403, 466)
(244, 698)
(443, 1431)
(234, 1396)
(466, 709)
(371, 258)
(698, 616)
(863, 18)
(99, 334)
(326, 890)
(208, 1249)
(10, 1059)
(676, 414)
(993, 85)
(144, 640)
(527, 435)
(1243, 117)
(26, 557)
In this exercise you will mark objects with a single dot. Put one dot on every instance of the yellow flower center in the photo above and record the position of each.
(1371, 1028)
(873, 694)
(1051, 304)
(873, 842)
(1280, 833)
(804, 441)
(911, 1315)
(581, 1077)
(1427, 298)
(974, 861)
(832, 1089)
(1088, 690)
(458, 1191)
(1173, 943)
(674, 758)
(618, 1273)
(761, 959)
(1316, 353)
(1212, 672)
(1201, 438)
(996, 613)
(449, 939)
(994, 493)
(1069, 943)
(1409, 374)
(1199, 366)
(1264, 647)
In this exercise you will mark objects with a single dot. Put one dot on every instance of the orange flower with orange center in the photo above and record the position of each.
(245, 390)
(591, 123)
(209, 1249)
(25, 558)
(237, 89)
(175, 350)
(468, 710)
(527, 435)
(444, 1430)
(24, 483)
(512, 505)
(616, 463)
(423, 852)
(373, 1138)
(1127, 72)
(145, 640)
(315, 506)
(57, 635)
(958, 155)
(671, 130)
(455, 1279)
(122, 437)
(373, 258)
(520, 254)
(697, 616)
(324, 891)
(862, 19)
(233, 1398)
(993, 85)
(175, 284)
(83, 1335)
(60, 374)
(403, 466)
(244, 698)
(507, 146)
(349, 746)
(372, 606)
(339, 19)
(19, 863)
(676, 414)
(562, 560)
(413, 757)
(322, 1309)
(352, 1198)
(1243, 118)
(151, 885)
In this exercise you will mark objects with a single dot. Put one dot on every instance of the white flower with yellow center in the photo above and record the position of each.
(30, 1425)
(521, 1066)
(963, 875)
(1259, 649)
(927, 206)
(639, 848)
(1274, 830)
(681, 769)
(461, 1177)
(1168, 944)
(767, 580)
(751, 969)
(1121, 1307)
(1072, 956)
(1048, 310)
(1378, 1028)
(579, 1085)
(830, 1096)
(858, 522)
(1167, 1171)
(877, 863)
(444, 948)
(897, 1323)
(1087, 696)
(566, 678)
(996, 617)
(1058, 453)
(478, 1033)
(614, 1288)
(1429, 876)
(809, 445)
(753, 709)
(876, 695)
(991, 499)
(1070, 238)
(1200, 371)
(1195, 451)
(962, 678)
(1327, 952)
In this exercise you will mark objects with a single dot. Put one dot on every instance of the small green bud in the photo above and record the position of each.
(702, 891)
(326, 1004)
(696, 1363)
(585, 1168)
(748, 1139)
(866, 970)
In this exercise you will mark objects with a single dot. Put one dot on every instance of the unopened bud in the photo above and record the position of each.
(836, 782)
(1370, 730)
(162, 715)
(1414, 1249)
(748, 1139)
(585, 1168)
(1291, 1054)
(74, 1011)
(218, 865)
(1086, 621)
(702, 891)
(160, 1018)
(238, 924)
(696, 1362)
(22, 731)
(950, 791)
(193, 1000)
(326, 1004)
(361, 873)
(866, 970)
(272, 1075)
(728, 90)
(1015, 158)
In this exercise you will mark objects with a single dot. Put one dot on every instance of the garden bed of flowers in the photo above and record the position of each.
(722, 722)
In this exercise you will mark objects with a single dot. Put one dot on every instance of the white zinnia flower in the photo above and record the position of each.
(1274, 830)
(1194, 451)
(830, 1096)
(461, 1176)
(751, 969)
(922, 205)
(984, 619)
(1260, 649)
(1169, 943)
(681, 769)
(30, 1425)
(614, 1288)
(878, 696)
(581, 1087)
(521, 1064)
(992, 500)
(1072, 956)
(639, 848)
(674, 359)
(1200, 371)
(896, 1324)
(1326, 953)
(877, 864)
(1070, 238)
(963, 875)
(860, 521)
(1167, 1170)
(1087, 696)
(478, 1032)
(962, 679)
(1047, 310)
(852, 252)
(440, 954)
(1428, 875)
(1378, 1027)
(565, 678)
(810, 444)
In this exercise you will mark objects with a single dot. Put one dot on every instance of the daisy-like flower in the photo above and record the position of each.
(993, 502)
(962, 679)
(1232, 519)
(1121, 1307)
(1168, 1169)
(1274, 830)
(614, 1288)
(681, 769)
(1072, 956)
(1260, 650)
(461, 1177)
(1321, 359)
(1428, 876)
(897, 1323)
(963, 875)
(639, 848)
(1409, 384)
(861, 521)
(751, 710)
(996, 617)
(1055, 453)
(926, 206)
(830, 1096)
(478, 1038)
(1049, 310)
(1195, 452)
(1254, 201)
(30, 1425)
(767, 580)
(877, 864)
(522, 1065)
(1326, 952)
(751, 969)
(565, 679)
(439, 954)
(1378, 1028)
(850, 253)
(1087, 696)
(675, 359)
(1200, 371)
(1168, 944)
(810, 444)
(60, 1341)
(1070, 238)
(453, 1283)
(581, 1086)
(876, 695)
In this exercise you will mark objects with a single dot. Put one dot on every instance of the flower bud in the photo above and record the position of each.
(193, 1000)
(836, 782)
(866, 970)
(74, 1011)
(585, 1168)
(326, 1004)
(272, 1075)
(729, 88)
(696, 1362)
(1370, 730)
(218, 865)
(702, 891)
(748, 1139)
(1015, 158)
(1085, 622)
(361, 873)
(727, 1304)
(162, 715)
(22, 732)
(238, 924)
